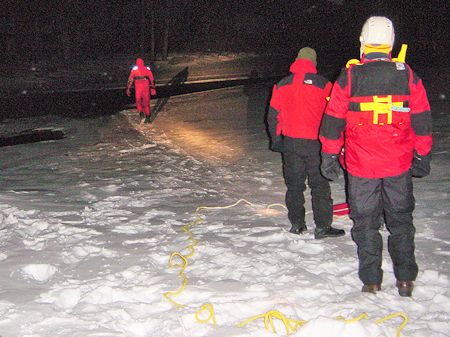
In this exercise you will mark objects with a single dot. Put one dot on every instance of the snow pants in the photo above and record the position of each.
(368, 199)
(301, 161)
(142, 94)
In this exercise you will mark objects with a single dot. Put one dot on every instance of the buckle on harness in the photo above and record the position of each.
(381, 106)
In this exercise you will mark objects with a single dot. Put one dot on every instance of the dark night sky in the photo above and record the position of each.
(37, 29)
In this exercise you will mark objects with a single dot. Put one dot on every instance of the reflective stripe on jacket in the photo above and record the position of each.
(142, 75)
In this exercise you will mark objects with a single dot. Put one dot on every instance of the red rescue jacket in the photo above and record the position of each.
(380, 113)
(298, 102)
(141, 75)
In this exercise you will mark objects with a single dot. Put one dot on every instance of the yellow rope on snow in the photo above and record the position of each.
(191, 247)
(177, 292)
(400, 328)
(183, 260)
(274, 205)
(182, 264)
(352, 320)
(291, 325)
(206, 307)
(248, 203)
(380, 320)
(225, 207)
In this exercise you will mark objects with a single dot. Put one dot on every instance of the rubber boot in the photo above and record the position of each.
(328, 232)
(298, 229)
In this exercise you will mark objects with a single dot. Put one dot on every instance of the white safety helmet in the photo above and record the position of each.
(377, 30)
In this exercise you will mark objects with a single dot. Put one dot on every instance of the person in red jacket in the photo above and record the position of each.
(296, 109)
(380, 113)
(144, 86)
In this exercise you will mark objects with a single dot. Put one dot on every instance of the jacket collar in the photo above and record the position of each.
(303, 66)
(376, 57)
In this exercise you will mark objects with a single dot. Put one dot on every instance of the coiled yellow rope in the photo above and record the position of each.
(179, 260)
(182, 263)
(211, 317)
(191, 247)
(400, 328)
(292, 325)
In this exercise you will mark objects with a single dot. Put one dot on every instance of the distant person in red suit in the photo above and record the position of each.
(144, 86)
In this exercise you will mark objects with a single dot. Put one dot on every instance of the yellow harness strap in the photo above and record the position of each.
(380, 106)
(351, 62)
(401, 57)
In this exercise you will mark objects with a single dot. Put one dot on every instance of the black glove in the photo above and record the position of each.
(277, 145)
(330, 166)
(421, 165)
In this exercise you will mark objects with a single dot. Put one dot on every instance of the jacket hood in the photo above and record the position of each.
(303, 66)
(139, 62)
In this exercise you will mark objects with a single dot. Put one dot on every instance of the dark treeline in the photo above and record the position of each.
(77, 30)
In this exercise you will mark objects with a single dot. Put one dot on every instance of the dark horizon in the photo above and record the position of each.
(40, 30)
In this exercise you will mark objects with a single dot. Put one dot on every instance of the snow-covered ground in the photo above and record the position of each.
(101, 234)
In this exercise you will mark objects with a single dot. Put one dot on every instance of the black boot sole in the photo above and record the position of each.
(323, 236)
(298, 231)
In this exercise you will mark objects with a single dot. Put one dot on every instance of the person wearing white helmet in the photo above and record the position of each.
(377, 31)
(379, 112)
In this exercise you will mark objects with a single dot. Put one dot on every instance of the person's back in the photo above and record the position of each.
(142, 72)
(380, 113)
(300, 100)
(294, 117)
(144, 84)
(381, 97)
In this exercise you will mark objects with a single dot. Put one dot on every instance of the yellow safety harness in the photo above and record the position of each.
(381, 105)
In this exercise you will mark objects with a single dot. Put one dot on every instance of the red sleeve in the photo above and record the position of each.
(130, 79)
(334, 119)
(339, 100)
(276, 101)
(152, 79)
(274, 117)
(149, 73)
(421, 120)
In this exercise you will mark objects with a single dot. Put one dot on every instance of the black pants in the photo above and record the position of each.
(368, 199)
(301, 161)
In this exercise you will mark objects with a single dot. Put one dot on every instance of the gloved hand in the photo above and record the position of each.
(277, 145)
(330, 166)
(128, 92)
(152, 91)
(421, 165)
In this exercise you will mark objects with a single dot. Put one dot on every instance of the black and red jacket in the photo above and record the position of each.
(298, 103)
(380, 113)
